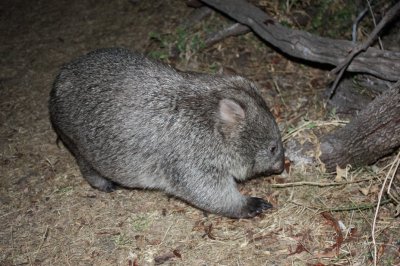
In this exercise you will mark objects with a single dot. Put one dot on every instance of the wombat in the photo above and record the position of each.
(138, 123)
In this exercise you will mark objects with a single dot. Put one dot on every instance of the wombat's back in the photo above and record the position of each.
(112, 71)
(132, 116)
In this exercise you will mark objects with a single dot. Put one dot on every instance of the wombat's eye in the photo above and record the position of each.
(272, 149)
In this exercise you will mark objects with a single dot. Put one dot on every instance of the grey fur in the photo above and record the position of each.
(139, 123)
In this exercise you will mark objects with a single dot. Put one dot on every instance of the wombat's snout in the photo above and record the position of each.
(277, 152)
(278, 167)
(269, 160)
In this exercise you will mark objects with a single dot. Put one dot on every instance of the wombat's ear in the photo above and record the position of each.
(230, 112)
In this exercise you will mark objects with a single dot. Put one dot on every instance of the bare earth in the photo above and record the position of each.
(49, 215)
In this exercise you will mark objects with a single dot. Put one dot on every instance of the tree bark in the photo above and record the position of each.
(374, 133)
(232, 30)
(303, 45)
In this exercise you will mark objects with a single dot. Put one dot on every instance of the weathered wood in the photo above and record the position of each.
(303, 45)
(374, 133)
(349, 99)
(341, 68)
(231, 30)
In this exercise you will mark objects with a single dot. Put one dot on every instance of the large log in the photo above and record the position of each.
(372, 134)
(303, 45)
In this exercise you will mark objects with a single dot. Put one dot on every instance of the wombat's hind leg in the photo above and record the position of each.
(93, 177)
(90, 174)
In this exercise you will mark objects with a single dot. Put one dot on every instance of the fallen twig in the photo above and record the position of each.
(355, 24)
(361, 207)
(397, 162)
(393, 170)
(312, 124)
(316, 184)
(231, 30)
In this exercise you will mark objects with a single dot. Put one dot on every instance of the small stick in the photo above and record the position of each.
(392, 178)
(374, 20)
(355, 24)
(232, 30)
(44, 237)
(316, 184)
(393, 168)
(361, 207)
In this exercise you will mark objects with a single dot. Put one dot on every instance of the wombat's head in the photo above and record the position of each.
(248, 126)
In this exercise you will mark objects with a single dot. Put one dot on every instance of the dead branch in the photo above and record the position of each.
(232, 30)
(355, 24)
(341, 68)
(389, 16)
(303, 45)
(371, 135)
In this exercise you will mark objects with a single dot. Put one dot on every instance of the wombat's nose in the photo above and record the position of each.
(278, 166)
(277, 152)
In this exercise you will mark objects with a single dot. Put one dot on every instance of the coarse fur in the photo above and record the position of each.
(135, 122)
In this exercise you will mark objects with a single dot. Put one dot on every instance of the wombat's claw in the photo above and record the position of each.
(255, 206)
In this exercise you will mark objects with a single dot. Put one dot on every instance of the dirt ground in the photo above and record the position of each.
(49, 214)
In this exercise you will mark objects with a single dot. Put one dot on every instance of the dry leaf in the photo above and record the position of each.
(287, 165)
(375, 189)
(364, 191)
(341, 174)
(177, 253)
(339, 239)
(300, 248)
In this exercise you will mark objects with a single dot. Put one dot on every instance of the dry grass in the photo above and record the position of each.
(50, 216)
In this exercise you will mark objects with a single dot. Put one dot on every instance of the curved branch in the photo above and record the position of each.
(304, 45)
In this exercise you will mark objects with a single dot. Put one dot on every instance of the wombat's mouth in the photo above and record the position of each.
(264, 173)
(278, 166)
(275, 169)
(257, 175)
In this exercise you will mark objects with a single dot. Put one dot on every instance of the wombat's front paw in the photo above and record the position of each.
(254, 207)
(107, 187)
